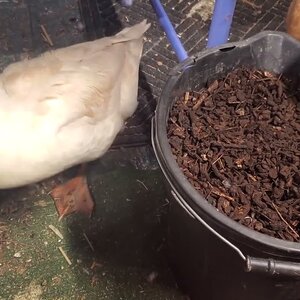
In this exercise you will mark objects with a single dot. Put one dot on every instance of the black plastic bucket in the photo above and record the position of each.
(213, 256)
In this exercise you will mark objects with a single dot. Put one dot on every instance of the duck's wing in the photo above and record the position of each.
(83, 80)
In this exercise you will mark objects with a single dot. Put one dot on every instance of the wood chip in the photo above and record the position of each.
(56, 231)
(200, 100)
(143, 184)
(222, 195)
(282, 218)
(96, 265)
(65, 255)
(89, 242)
(186, 97)
(46, 36)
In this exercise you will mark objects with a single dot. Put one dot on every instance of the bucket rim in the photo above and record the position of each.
(173, 173)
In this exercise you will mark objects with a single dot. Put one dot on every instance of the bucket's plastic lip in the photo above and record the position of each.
(163, 148)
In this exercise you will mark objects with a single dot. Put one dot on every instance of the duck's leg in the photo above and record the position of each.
(73, 196)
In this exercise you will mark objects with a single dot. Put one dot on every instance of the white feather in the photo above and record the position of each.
(67, 106)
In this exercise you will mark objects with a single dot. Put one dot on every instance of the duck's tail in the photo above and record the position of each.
(132, 33)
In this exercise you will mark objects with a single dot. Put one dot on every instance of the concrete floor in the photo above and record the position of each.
(125, 258)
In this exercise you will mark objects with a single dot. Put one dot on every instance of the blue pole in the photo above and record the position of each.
(169, 30)
(221, 22)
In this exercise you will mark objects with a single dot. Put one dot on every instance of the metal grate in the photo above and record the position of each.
(192, 25)
(69, 22)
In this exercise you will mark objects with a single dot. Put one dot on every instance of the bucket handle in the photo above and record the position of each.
(272, 267)
(252, 264)
(195, 216)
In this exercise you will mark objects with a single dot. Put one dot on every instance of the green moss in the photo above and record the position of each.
(126, 232)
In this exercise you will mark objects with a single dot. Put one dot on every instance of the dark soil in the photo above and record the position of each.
(237, 142)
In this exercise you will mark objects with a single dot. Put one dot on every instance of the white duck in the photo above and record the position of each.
(65, 108)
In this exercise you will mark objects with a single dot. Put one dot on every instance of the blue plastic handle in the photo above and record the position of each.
(221, 23)
(169, 30)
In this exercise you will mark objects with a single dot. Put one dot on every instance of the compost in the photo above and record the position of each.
(237, 142)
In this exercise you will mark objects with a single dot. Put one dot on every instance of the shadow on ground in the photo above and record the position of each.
(118, 254)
